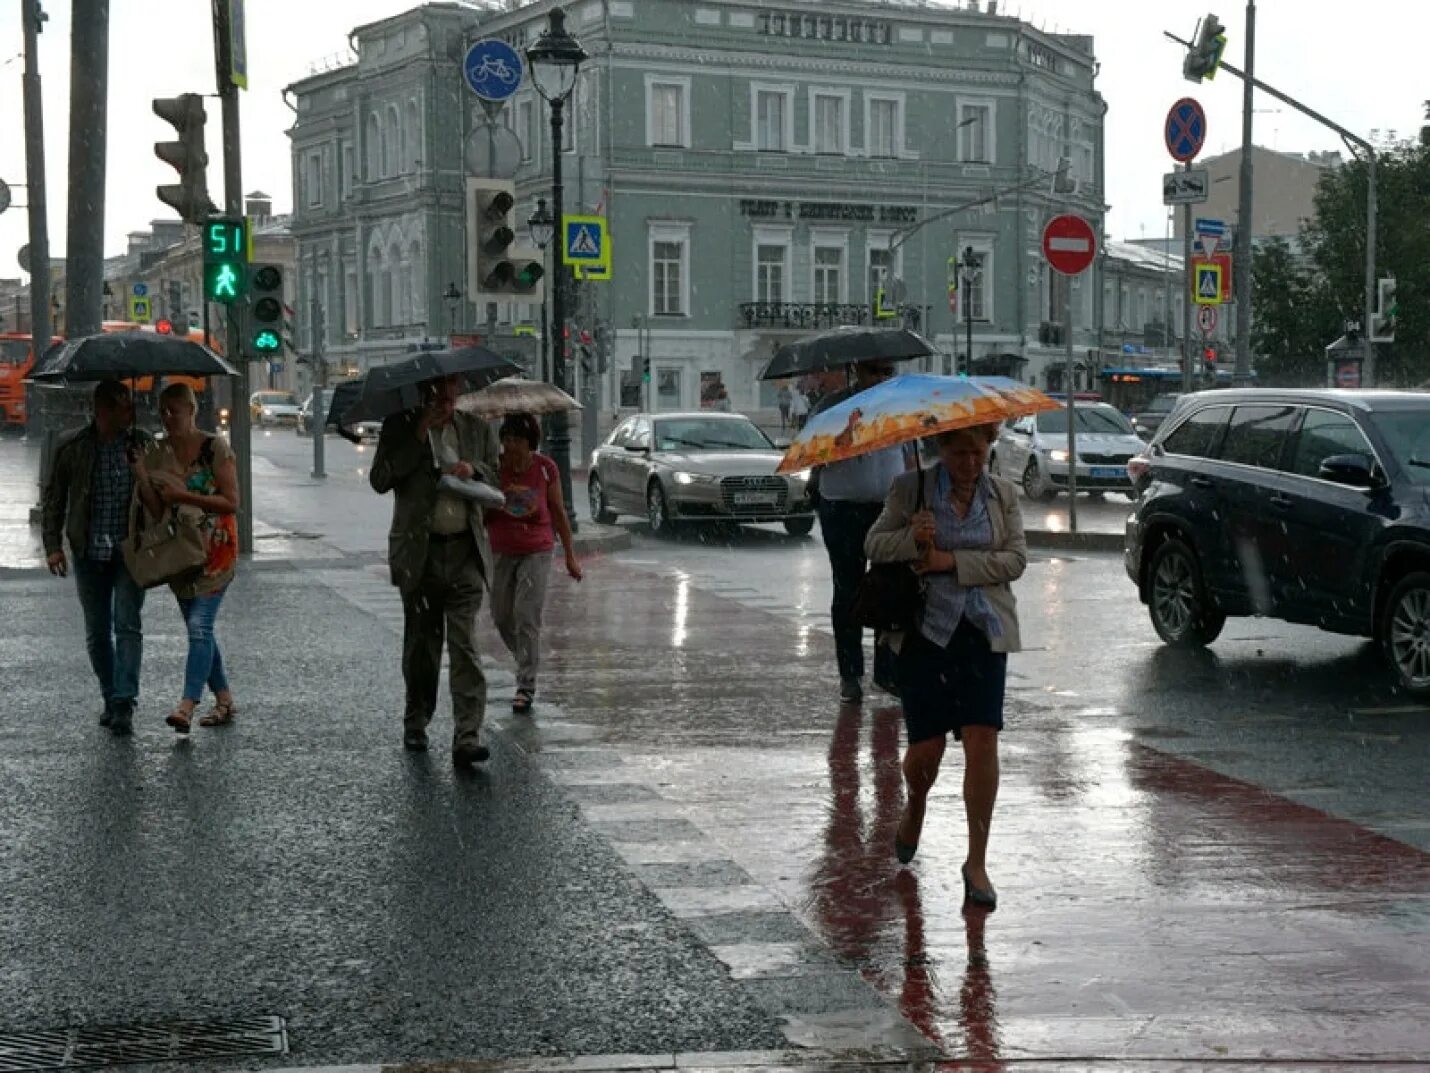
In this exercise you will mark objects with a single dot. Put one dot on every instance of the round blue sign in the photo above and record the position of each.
(140, 290)
(492, 69)
(1186, 130)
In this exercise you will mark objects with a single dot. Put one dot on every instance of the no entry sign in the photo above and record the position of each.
(1069, 244)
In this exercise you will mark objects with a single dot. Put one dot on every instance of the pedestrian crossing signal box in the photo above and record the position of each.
(225, 258)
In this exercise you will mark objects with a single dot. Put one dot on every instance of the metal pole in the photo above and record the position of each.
(1168, 335)
(1241, 260)
(968, 308)
(89, 123)
(240, 428)
(320, 372)
(545, 344)
(40, 326)
(560, 443)
(1072, 413)
(1367, 370)
(1189, 284)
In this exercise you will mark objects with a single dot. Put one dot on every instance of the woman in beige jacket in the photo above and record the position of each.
(968, 545)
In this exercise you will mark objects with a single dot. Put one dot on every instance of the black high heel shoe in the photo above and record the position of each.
(984, 899)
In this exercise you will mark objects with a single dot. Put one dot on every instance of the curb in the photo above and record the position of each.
(592, 538)
(1065, 541)
(717, 1062)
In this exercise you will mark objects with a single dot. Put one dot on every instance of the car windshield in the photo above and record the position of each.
(1407, 432)
(1162, 404)
(277, 398)
(705, 434)
(1101, 419)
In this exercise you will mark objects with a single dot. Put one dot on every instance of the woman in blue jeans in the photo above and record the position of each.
(195, 470)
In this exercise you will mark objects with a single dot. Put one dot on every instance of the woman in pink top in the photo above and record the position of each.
(523, 534)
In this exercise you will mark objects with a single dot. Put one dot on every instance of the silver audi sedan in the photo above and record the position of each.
(695, 467)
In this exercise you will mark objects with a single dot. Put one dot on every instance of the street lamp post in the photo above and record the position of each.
(971, 263)
(542, 229)
(453, 296)
(555, 60)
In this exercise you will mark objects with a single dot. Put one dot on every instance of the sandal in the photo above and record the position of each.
(220, 715)
(180, 720)
(522, 702)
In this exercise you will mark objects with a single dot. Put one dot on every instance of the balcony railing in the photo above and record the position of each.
(807, 316)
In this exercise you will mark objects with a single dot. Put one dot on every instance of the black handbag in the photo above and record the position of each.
(890, 595)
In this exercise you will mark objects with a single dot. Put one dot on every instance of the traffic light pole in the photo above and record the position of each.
(89, 124)
(240, 420)
(1368, 368)
(560, 445)
(320, 378)
(40, 326)
(1241, 247)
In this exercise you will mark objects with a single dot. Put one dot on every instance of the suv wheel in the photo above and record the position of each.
(1033, 485)
(656, 512)
(1181, 612)
(1405, 632)
(600, 512)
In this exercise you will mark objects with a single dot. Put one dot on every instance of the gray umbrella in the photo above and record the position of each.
(390, 389)
(845, 346)
(123, 355)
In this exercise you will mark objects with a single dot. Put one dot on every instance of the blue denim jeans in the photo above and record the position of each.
(205, 663)
(113, 633)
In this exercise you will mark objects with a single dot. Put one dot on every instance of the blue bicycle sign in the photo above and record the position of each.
(492, 69)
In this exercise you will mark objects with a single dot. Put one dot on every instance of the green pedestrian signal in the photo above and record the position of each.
(225, 240)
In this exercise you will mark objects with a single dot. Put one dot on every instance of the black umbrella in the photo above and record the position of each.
(845, 346)
(345, 396)
(123, 355)
(390, 389)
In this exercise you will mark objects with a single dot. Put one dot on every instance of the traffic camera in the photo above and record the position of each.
(1204, 57)
(496, 267)
(265, 312)
(190, 196)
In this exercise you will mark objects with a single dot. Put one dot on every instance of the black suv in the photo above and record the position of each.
(1306, 506)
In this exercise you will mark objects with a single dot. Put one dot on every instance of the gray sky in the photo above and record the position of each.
(1358, 63)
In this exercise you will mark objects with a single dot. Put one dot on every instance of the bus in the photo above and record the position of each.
(17, 362)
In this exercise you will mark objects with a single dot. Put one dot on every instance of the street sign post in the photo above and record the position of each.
(1070, 246)
(1187, 187)
(492, 70)
(1186, 130)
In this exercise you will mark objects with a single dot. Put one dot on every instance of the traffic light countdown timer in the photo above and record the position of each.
(225, 258)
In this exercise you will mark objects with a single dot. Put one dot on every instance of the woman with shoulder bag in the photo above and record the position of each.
(968, 546)
(195, 471)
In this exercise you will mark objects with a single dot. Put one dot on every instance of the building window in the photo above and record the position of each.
(979, 287)
(314, 180)
(771, 117)
(670, 270)
(374, 148)
(350, 302)
(668, 112)
(573, 111)
(883, 127)
(412, 138)
(830, 119)
(347, 178)
(771, 270)
(526, 128)
(881, 261)
(391, 143)
(829, 275)
(975, 133)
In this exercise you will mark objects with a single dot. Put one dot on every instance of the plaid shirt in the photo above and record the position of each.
(110, 488)
(946, 602)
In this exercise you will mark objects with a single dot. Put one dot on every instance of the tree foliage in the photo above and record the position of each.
(1295, 317)
(1334, 243)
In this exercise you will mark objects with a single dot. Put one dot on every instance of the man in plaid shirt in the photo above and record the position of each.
(87, 500)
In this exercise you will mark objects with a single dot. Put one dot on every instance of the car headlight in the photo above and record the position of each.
(802, 475)
(1058, 455)
(682, 477)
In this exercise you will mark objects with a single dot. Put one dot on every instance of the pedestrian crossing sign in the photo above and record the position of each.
(1208, 285)
(586, 245)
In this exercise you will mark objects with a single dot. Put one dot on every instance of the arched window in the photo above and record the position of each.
(412, 138)
(374, 148)
(372, 311)
(417, 289)
(399, 269)
(392, 148)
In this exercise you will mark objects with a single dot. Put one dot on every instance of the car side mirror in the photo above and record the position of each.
(637, 448)
(1356, 470)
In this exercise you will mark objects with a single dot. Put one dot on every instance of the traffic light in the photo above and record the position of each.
(496, 267)
(225, 258)
(1382, 321)
(1204, 57)
(265, 312)
(190, 196)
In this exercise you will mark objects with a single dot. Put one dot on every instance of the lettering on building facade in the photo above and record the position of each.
(821, 210)
(826, 28)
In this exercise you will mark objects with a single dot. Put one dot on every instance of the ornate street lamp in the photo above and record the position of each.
(555, 61)
(541, 227)
(453, 296)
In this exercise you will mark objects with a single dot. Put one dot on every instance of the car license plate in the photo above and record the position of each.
(1109, 472)
(756, 499)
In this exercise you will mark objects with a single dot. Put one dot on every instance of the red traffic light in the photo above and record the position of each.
(164, 327)
(1209, 353)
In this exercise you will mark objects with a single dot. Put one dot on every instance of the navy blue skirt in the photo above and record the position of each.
(946, 689)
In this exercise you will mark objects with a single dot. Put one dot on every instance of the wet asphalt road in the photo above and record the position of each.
(637, 870)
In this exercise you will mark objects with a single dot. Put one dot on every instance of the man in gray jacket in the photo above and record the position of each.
(87, 500)
(439, 558)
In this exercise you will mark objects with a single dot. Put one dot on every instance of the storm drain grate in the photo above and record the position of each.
(162, 1041)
